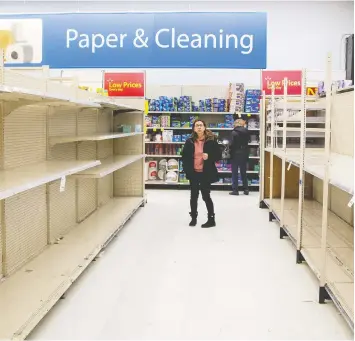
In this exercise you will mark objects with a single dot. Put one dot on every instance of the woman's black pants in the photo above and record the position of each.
(197, 184)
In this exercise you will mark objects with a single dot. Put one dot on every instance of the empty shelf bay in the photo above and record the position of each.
(40, 284)
(109, 165)
(93, 137)
(340, 246)
(17, 180)
(341, 166)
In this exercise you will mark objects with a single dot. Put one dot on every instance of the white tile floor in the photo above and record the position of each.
(161, 279)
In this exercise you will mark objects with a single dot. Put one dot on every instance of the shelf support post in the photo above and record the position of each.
(272, 151)
(2, 202)
(329, 96)
(283, 174)
(301, 168)
(261, 152)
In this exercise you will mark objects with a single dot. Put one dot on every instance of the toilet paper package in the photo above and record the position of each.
(19, 53)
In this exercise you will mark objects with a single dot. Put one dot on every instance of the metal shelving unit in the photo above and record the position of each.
(68, 184)
(311, 188)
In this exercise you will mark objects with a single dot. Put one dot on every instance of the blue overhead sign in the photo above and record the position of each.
(136, 40)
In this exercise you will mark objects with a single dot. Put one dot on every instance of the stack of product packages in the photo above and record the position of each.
(186, 104)
(252, 101)
(236, 97)
(228, 122)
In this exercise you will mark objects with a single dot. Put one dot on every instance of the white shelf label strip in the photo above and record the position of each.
(62, 184)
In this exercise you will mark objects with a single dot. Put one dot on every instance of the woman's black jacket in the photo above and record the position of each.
(214, 152)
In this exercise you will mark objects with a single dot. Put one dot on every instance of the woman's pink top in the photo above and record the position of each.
(198, 159)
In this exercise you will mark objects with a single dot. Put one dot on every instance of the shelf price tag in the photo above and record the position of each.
(351, 202)
(154, 129)
(62, 184)
(146, 107)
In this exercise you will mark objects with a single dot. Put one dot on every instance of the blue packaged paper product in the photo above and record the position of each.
(176, 138)
(193, 118)
(185, 124)
(155, 120)
(253, 93)
(175, 124)
(251, 101)
(220, 125)
(252, 108)
(201, 105)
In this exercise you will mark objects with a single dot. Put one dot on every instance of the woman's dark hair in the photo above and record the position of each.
(208, 133)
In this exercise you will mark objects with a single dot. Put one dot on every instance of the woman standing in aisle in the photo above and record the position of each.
(199, 155)
(239, 151)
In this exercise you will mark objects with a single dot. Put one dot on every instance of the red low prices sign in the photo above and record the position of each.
(294, 82)
(125, 84)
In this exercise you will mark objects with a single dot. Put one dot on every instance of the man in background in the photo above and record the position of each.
(239, 152)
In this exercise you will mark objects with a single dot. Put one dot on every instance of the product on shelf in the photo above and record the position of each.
(185, 104)
(148, 121)
(182, 178)
(252, 101)
(152, 170)
(165, 121)
(172, 176)
(228, 121)
(236, 97)
(167, 135)
(177, 138)
(155, 121)
(253, 124)
(173, 165)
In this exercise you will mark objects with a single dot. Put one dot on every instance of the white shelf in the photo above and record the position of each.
(341, 166)
(108, 166)
(10, 93)
(106, 102)
(95, 137)
(57, 267)
(296, 132)
(17, 180)
(310, 105)
(162, 182)
(309, 120)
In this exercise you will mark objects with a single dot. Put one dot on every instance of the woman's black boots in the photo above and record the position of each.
(210, 222)
(193, 219)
